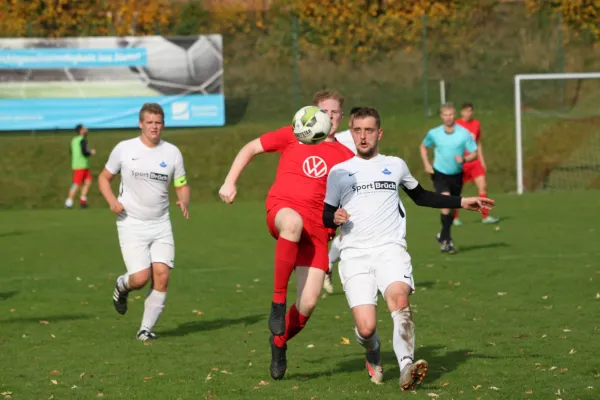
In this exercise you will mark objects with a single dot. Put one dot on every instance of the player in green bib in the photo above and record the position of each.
(80, 165)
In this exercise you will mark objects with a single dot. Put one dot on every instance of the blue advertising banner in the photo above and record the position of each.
(103, 82)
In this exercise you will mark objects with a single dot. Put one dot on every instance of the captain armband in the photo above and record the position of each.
(181, 181)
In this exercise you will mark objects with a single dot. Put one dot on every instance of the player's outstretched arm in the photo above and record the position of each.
(104, 180)
(426, 198)
(228, 191)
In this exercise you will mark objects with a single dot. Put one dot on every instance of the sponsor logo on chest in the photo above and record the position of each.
(374, 186)
(150, 175)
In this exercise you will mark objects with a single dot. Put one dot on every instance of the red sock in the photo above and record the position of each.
(285, 261)
(456, 214)
(484, 213)
(294, 323)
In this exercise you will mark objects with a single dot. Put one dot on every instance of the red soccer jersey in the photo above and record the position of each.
(301, 179)
(472, 126)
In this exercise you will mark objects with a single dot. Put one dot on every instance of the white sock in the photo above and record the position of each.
(404, 336)
(69, 203)
(369, 344)
(334, 252)
(123, 282)
(153, 307)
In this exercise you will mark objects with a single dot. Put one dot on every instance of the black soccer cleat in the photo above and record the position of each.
(448, 248)
(278, 360)
(277, 319)
(120, 299)
(144, 335)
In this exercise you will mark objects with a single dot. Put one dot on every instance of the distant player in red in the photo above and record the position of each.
(474, 171)
(294, 217)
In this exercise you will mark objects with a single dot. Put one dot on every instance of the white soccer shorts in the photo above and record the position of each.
(363, 272)
(143, 243)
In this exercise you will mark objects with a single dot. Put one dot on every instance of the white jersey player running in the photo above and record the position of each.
(345, 138)
(147, 166)
(362, 197)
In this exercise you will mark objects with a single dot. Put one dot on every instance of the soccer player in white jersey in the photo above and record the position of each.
(147, 166)
(362, 197)
(345, 138)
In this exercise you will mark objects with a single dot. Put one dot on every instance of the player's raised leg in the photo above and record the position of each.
(334, 256)
(309, 281)
(289, 225)
(411, 372)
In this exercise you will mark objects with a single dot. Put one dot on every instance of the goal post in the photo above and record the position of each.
(518, 112)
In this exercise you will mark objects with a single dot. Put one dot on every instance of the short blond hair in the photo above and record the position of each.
(327, 94)
(152, 108)
(447, 106)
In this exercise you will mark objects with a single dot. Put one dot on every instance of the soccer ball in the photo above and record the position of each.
(311, 125)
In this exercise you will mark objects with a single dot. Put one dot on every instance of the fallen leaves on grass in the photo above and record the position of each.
(42, 322)
(55, 372)
(100, 394)
(147, 378)
(256, 280)
(529, 391)
(295, 388)
(337, 317)
(494, 388)
(444, 384)
(501, 293)
(545, 297)
(433, 395)
(572, 351)
(345, 340)
(476, 387)
(566, 330)
(198, 313)
(310, 346)
(226, 372)
(597, 296)
(208, 377)
(54, 382)
(13, 309)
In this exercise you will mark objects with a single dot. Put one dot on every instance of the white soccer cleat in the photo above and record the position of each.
(374, 366)
(145, 335)
(327, 285)
(413, 374)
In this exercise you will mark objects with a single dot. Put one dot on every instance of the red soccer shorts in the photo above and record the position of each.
(81, 175)
(472, 170)
(312, 248)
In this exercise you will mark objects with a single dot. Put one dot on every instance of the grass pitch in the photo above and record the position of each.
(513, 315)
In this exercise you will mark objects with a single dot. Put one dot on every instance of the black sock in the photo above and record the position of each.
(446, 224)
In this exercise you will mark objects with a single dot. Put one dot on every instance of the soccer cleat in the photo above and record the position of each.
(327, 284)
(442, 243)
(120, 299)
(278, 360)
(448, 247)
(413, 374)
(277, 319)
(490, 220)
(144, 335)
(457, 222)
(83, 205)
(374, 367)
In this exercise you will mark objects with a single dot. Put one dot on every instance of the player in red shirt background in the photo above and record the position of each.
(474, 171)
(294, 208)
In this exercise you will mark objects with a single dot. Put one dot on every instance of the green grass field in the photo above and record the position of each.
(513, 315)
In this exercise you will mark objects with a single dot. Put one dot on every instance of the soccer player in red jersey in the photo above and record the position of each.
(294, 208)
(474, 171)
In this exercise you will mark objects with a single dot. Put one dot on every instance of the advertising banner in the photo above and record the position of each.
(102, 82)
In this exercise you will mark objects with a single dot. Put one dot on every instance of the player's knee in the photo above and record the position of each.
(307, 304)
(289, 223)
(366, 328)
(160, 278)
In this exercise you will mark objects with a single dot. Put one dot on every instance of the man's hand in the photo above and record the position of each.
(341, 216)
(228, 192)
(459, 159)
(429, 169)
(477, 203)
(93, 152)
(117, 207)
(184, 208)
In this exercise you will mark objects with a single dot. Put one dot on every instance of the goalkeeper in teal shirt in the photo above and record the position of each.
(450, 142)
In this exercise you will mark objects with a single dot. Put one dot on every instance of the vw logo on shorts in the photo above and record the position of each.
(314, 167)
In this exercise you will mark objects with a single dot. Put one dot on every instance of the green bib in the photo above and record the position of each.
(78, 159)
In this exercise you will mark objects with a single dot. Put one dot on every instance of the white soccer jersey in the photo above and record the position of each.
(146, 173)
(345, 138)
(368, 191)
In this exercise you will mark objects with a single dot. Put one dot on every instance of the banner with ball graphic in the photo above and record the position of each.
(102, 82)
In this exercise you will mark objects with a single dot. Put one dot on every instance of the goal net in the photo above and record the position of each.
(557, 119)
